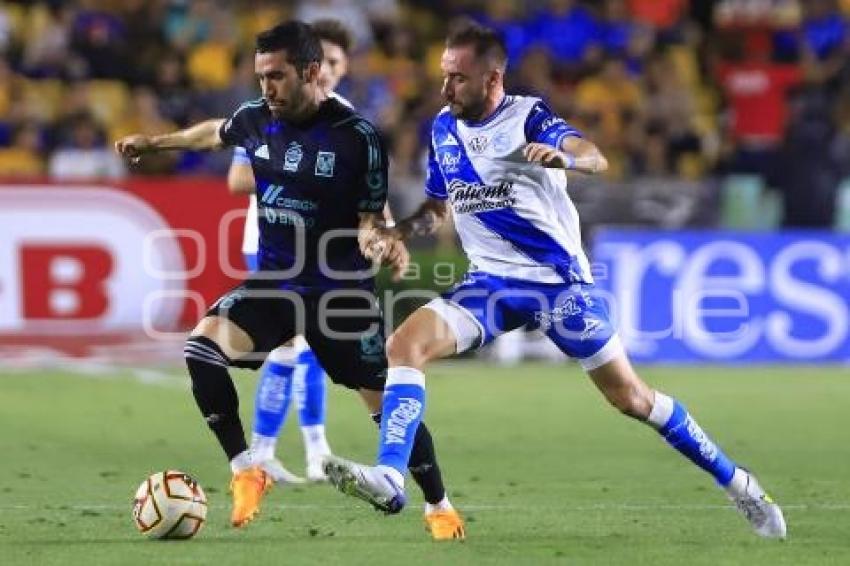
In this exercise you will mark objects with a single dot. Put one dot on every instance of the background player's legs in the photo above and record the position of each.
(273, 398)
(309, 393)
(291, 372)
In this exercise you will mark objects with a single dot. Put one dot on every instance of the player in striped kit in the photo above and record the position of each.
(498, 163)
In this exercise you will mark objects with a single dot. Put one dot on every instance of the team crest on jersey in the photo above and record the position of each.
(478, 144)
(292, 157)
(325, 164)
(262, 152)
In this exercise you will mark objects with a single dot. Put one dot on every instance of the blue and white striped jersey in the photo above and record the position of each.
(514, 218)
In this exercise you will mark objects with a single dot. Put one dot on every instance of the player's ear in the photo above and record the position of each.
(311, 72)
(494, 77)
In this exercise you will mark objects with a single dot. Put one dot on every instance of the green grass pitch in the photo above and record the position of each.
(543, 469)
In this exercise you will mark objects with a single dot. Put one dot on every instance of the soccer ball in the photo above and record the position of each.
(169, 505)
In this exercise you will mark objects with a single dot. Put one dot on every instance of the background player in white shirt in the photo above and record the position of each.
(498, 162)
(291, 371)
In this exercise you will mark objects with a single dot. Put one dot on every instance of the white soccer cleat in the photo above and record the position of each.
(315, 468)
(759, 509)
(280, 475)
(371, 484)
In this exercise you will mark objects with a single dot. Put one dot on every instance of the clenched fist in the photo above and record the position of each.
(134, 146)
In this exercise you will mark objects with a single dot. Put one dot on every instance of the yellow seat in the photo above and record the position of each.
(43, 98)
(108, 99)
(210, 65)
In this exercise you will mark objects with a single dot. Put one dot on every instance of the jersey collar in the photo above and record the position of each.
(491, 117)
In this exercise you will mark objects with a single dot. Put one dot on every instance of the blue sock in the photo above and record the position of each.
(274, 392)
(401, 413)
(682, 432)
(311, 394)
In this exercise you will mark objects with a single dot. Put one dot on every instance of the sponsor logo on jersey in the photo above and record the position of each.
(478, 144)
(262, 152)
(591, 327)
(569, 308)
(325, 163)
(449, 140)
(549, 122)
(272, 197)
(372, 346)
(467, 198)
(292, 157)
(271, 193)
(450, 162)
(228, 300)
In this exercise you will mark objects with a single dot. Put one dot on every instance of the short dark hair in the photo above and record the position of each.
(485, 41)
(333, 31)
(301, 43)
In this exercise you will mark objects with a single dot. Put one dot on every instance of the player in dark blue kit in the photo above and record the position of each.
(321, 176)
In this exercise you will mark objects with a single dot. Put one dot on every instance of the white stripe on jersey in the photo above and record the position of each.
(514, 218)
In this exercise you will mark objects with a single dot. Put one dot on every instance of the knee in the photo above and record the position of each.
(402, 351)
(632, 401)
(200, 349)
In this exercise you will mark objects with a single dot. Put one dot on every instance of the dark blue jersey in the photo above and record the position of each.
(313, 178)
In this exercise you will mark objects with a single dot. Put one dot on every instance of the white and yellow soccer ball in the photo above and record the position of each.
(170, 505)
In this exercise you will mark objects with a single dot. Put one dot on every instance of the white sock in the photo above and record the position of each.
(442, 505)
(263, 447)
(662, 410)
(738, 485)
(315, 442)
(394, 474)
(242, 461)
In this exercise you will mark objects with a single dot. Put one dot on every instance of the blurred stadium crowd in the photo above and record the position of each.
(677, 93)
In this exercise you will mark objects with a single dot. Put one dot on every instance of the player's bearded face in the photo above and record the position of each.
(283, 88)
(464, 83)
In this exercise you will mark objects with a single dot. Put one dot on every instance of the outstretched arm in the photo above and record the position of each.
(202, 136)
(575, 154)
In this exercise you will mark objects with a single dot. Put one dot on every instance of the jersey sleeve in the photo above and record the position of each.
(435, 185)
(234, 131)
(544, 126)
(240, 156)
(373, 183)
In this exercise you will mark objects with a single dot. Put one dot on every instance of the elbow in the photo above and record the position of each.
(237, 188)
(240, 180)
(240, 186)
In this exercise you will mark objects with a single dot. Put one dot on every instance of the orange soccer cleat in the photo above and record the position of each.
(248, 488)
(445, 525)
